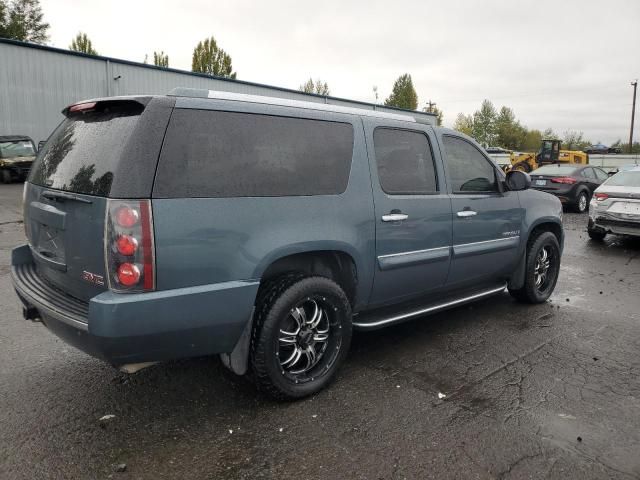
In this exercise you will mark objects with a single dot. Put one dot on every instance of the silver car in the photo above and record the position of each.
(615, 206)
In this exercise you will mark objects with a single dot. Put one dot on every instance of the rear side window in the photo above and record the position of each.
(469, 170)
(588, 172)
(405, 163)
(227, 154)
(83, 152)
(601, 174)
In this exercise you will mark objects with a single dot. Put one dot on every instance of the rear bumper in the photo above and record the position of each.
(620, 227)
(143, 327)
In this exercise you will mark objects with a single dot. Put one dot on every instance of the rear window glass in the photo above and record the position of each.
(227, 154)
(624, 179)
(554, 170)
(82, 153)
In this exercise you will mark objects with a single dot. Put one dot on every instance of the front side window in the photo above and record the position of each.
(405, 163)
(469, 170)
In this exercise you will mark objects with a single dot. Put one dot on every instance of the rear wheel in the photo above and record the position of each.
(542, 269)
(301, 335)
(582, 202)
(595, 233)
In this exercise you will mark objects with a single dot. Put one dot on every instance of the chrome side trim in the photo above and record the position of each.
(485, 246)
(432, 309)
(412, 252)
(404, 259)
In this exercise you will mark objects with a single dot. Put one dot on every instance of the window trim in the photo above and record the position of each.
(498, 185)
(433, 161)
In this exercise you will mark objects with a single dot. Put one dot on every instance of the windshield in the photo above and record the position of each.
(18, 148)
(554, 170)
(625, 179)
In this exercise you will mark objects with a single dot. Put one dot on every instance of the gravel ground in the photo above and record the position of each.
(545, 391)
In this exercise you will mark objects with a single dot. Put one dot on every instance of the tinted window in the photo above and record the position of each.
(405, 163)
(469, 170)
(82, 153)
(227, 154)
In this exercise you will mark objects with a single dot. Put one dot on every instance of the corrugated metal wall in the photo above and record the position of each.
(36, 83)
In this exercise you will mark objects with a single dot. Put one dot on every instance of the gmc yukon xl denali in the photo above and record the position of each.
(266, 230)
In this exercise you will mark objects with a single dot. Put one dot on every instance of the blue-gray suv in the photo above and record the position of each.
(266, 230)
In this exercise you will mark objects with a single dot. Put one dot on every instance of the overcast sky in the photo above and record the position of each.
(560, 64)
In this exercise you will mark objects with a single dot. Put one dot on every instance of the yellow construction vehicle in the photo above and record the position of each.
(549, 152)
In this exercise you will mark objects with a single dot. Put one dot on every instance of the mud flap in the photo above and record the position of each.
(238, 360)
(517, 279)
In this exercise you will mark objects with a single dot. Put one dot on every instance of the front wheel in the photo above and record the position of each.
(301, 335)
(542, 269)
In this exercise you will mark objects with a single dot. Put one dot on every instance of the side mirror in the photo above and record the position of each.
(517, 180)
(41, 144)
(611, 173)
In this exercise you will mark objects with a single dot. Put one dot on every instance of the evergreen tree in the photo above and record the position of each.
(403, 94)
(464, 124)
(210, 59)
(23, 20)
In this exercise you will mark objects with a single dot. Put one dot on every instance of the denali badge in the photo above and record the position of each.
(93, 278)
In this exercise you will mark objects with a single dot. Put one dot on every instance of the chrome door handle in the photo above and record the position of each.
(467, 213)
(394, 217)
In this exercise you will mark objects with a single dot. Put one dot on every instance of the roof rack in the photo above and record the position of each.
(285, 102)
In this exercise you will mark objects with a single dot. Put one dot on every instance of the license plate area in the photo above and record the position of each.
(628, 209)
(541, 183)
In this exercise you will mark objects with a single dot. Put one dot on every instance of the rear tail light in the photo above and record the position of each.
(129, 247)
(82, 107)
(600, 196)
(567, 180)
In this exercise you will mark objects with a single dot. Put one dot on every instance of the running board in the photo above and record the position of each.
(433, 308)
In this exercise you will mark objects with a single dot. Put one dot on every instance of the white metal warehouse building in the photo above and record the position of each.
(37, 82)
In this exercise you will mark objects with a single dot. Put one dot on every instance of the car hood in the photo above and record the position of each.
(17, 159)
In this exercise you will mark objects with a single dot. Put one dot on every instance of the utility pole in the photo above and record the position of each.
(431, 106)
(633, 114)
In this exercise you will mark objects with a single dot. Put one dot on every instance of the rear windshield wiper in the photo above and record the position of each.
(61, 196)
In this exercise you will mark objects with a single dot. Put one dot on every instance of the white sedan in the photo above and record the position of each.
(615, 206)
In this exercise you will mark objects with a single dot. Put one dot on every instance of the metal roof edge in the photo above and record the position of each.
(62, 51)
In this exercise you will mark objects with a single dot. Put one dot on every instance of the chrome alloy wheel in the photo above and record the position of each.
(542, 267)
(582, 202)
(304, 337)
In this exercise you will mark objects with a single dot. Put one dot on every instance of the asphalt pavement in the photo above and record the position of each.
(492, 390)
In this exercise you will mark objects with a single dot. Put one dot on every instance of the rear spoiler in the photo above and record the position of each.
(101, 104)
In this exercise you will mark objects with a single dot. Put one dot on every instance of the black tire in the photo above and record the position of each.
(5, 176)
(579, 206)
(277, 303)
(531, 292)
(595, 233)
(523, 167)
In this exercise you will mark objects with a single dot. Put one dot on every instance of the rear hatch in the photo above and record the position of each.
(102, 149)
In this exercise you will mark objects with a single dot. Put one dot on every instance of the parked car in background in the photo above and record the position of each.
(599, 148)
(497, 150)
(266, 230)
(17, 153)
(572, 184)
(615, 207)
